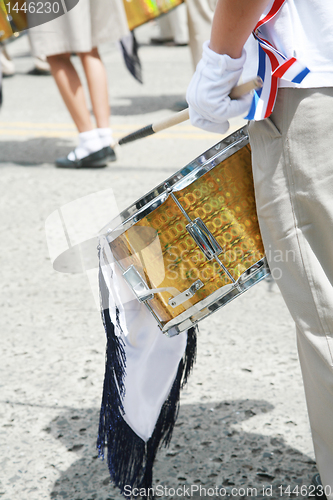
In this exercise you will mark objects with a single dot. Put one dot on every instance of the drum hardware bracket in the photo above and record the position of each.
(199, 232)
(137, 284)
(143, 292)
(204, 238)
(187, 294)
(207, 243)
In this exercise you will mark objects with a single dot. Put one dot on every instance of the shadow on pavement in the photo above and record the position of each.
(35, 151)
(144, 104)
(208, 450)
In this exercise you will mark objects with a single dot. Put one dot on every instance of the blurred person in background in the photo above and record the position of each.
(172, 28)
(80, 31)
(200, 15)
(41, 66)
(198, 27)
(7, 65)
(0, 84)
(188, 24)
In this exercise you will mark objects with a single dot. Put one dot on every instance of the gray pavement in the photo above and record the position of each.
(243, 421)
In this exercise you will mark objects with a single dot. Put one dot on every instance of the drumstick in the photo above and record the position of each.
(182, 116)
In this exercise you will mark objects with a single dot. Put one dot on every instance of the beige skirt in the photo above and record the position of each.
(87, 25)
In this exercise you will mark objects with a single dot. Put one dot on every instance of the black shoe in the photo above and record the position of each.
(319, 489)
(109, 152)
(176, 44)
(160, 40)
(39, 72)
(98, 159)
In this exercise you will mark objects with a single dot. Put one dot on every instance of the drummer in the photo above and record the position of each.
(292, 156)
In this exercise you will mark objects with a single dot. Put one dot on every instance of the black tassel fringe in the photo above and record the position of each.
(130, 459)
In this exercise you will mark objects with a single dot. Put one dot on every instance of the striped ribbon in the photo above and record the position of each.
(272, 66)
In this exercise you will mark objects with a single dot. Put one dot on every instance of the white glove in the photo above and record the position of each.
(210, 106)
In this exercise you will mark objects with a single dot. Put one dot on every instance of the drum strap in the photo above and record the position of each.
(137, 416)
(272, 66)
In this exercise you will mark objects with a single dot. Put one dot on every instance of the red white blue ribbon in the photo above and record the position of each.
(272, 66)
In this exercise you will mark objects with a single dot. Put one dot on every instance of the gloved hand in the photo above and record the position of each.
(210, 106)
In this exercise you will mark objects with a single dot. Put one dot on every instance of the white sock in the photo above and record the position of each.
(105, 135)
(89, 142)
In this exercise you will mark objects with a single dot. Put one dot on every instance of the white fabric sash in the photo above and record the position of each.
(152, 359)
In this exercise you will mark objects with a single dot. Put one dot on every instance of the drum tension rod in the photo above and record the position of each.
(179, 205)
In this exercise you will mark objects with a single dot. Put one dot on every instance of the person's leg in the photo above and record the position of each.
(292, 159)
(98, 89)
(93, 149)
(199, 22)
(7, 65)
(178, 23)
(165, 30)
(71, 90)
(200, 16)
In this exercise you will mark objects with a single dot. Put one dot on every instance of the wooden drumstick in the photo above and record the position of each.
(182, 116)
(246, 87)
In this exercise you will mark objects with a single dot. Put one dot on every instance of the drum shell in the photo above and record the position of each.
(139, 12)
(18, 20)
(5, 28)
(165, 254)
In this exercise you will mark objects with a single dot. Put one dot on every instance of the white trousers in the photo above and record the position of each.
(174, 24)
(293, 176)
(200, 15)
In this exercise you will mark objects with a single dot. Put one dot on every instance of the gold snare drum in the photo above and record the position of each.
(5, 28)
(193, 244)
(13, 22)
(141, 11)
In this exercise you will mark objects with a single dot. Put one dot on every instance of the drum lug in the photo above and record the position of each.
(204, 238)
(187, 294)
(137, 284)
